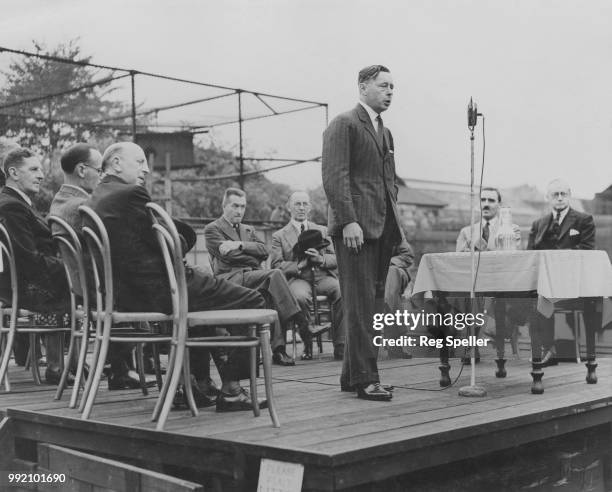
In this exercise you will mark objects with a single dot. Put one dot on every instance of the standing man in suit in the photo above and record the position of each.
(141, 279)
(236, 254)
(561, 228)
(360, 183)
(321, 264)
(42, 284)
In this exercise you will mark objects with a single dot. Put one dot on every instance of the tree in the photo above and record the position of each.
(203, 198)
(44, 123)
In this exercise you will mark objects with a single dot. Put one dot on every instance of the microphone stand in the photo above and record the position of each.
(472, 390)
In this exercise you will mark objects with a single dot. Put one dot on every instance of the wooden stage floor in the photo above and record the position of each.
(343, 442)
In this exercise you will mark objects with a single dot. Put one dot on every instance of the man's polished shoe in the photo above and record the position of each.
(549, 358)
(238, 403)
(53, 377)
(203, 397)
(351, 389)
(306, 356)
(129, 380)
(280, 358)
(374, 392)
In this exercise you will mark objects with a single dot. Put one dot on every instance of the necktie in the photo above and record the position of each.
(302, 228)
(556, 226)
(237, 229)
(380, 130)
(558, 218)
(485, 232)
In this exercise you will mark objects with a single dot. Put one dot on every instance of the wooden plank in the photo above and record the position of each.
(110, 474)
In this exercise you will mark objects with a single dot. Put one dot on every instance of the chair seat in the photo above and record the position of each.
(229, 341)
(123, 317)
(229, 317)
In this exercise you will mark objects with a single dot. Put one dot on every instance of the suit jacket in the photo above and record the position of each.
(282, 257)
(358, 174)
(42, 279)
(577, 232)
(66, 203)
(464, 240)
(248, 258)
(140, 278)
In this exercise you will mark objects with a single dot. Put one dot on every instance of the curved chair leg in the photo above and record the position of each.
(141, 376)
(173, 377)
(94, 364)
(80, 365)
(163, 391)
(187, 380)
(253, 374)
(6, 355)
(264, 337)
(95, 380)
(62, 384)
(34, 360)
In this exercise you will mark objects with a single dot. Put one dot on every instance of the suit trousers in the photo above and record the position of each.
(324, 286)
(542, 329)
(362, 284)
(206, 293)
(273, 285)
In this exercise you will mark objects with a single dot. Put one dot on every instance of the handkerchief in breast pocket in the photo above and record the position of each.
(573, 232)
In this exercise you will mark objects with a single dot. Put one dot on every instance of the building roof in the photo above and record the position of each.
(412, 196)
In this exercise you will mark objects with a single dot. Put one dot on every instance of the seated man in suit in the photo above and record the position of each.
(398, 278)
(484, 234)
(561, 228)
(319, 267)
(82, 166)
(42, 282)
(139, 272)
(236, 254)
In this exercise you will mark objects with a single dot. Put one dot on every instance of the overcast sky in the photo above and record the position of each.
(540, 72)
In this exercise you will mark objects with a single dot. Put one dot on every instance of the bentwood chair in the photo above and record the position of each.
(178, 364)
(14, 320)
(71, 251)
(110, 323)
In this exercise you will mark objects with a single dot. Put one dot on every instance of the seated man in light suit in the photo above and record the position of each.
(321, 263)
(236, 254)
(484, 234)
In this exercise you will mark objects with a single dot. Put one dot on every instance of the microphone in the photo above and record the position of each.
(472, 114)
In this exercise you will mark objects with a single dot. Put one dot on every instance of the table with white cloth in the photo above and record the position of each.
(552, 275)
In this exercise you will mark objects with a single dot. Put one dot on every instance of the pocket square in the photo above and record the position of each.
(573, 232)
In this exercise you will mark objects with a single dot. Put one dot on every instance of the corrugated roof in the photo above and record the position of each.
(412, 196)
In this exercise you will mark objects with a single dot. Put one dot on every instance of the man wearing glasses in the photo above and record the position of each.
(562, 228)
(82, 167)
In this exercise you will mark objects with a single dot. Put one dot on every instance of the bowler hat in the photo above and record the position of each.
(311, 238)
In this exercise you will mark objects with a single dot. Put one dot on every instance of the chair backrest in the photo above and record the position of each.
(8, 262)
(71, 251)
(99, 252)
(170, 245)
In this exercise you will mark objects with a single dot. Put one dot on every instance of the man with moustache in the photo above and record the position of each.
(139, 272)
(483, 234)
(562, 228)
(361, 187)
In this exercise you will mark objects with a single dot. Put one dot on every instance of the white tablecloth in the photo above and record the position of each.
(553, 274)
